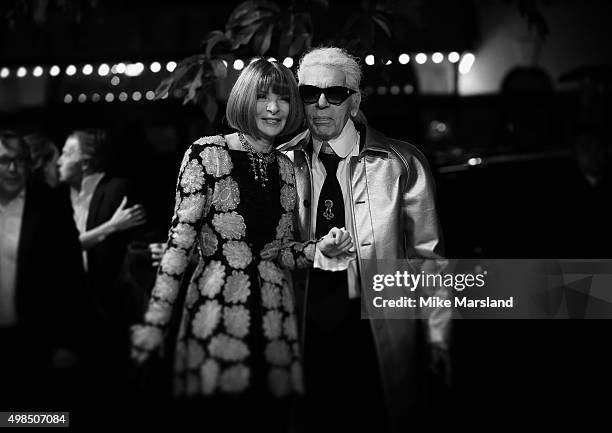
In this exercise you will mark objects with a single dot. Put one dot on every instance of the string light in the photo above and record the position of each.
(150, 95)
(119, 68)
(288, 62)
(71, 70)
(453, 57)
(82, 98)
(369, 59)
(170, 66)
(67, 98)
(134, 69)
(155, 67)
(465, 65)
(103, 70)
(123, 96)
(54, 71)
(421, 58)
(437, 57)
(109, 97)
(87, 69)
(22, 72)
(5, 72)
(403, 58)
(38, 71)
(95, 97)
(238, 64)
(136, 96)
(395, 90)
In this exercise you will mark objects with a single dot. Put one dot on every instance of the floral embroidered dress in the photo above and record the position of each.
(238, 331)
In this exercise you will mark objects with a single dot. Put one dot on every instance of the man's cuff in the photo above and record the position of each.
(338, 263)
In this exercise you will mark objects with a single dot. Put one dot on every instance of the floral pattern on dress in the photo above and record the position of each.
(212, 278)
(272, 324)
(277, 353)
(284, 229)
(208, 241)
(270, 295)
(195, 354)
(236, 320)
(209, 373)
(174, 261)
(193, 177)
(287, 260)
(183, 236)
(206, 319)
(270, 273)
(290, 327)
(217, 161)
(286, 170)
(288, 197)
(165, 288)
(288, 304)
(146, 337)
(238, 254)
(158, 313)
(228, 348)
(191, 207)
(270, 250)
(235, 379)
(229, 225)
(236, 287)
(226, 195)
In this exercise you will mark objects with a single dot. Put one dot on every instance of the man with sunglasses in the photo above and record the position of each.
(381, 190)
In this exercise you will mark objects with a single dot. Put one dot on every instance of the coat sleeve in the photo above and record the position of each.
(423, 243)
(193, 198)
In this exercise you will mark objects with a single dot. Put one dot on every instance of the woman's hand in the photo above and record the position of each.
(336, 242)
(124, 219)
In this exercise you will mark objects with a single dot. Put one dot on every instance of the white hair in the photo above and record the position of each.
(336, 58)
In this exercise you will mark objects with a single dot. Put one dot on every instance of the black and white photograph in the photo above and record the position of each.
(305, 216)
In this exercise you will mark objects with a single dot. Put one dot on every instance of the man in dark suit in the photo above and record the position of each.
(41, 281)
(106, 226)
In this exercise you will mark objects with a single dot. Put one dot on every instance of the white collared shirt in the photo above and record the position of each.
(81, 200)
(345, 146)
(11, 216)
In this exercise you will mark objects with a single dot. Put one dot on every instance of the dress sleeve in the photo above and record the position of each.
(192, 204)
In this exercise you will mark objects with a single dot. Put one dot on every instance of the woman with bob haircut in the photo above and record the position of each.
(238, 337)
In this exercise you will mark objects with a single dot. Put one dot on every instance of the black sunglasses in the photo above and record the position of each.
(335, 95)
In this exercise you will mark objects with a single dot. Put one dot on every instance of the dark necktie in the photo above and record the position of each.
(330, 208)
(328, 291)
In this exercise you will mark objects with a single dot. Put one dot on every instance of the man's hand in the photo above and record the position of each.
(336, 242)
(124, 219)
(440, 362)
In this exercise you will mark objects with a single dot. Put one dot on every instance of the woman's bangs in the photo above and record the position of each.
(275, 82)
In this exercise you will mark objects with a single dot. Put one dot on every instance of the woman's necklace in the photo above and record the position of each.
(259, 161)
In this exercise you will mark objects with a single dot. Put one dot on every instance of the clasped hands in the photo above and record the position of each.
(337, 243)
